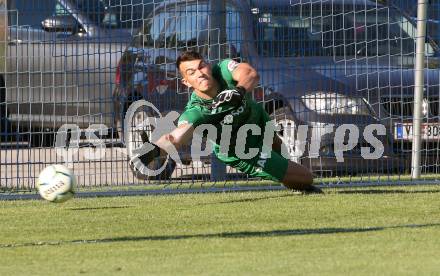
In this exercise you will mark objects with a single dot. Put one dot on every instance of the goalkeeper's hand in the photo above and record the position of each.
(148, 151)
(232, 96)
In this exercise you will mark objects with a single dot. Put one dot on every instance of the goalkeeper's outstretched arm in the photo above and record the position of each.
(245, 76)
(175, 139)
(168, 144)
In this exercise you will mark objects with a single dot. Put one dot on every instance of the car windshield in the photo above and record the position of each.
(114, 13)
(333, 31)
(171, 26)
(95, 9)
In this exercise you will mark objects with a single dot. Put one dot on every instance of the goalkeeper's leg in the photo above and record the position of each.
(294, 176)
(298, 177)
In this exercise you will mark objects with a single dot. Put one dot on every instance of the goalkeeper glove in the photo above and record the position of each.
(233, 96)
(151, 149)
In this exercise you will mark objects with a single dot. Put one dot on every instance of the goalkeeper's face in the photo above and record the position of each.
(197, 74)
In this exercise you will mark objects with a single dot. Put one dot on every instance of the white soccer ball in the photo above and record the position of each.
(56, 183)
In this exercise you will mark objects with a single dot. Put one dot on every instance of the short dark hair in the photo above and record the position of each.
(188, 56)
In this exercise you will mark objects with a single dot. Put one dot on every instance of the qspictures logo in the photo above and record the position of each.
(153, 125)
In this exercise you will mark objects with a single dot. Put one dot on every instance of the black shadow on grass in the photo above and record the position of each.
(394, 191)
(253, 199)
(225, 235)
(99, 208)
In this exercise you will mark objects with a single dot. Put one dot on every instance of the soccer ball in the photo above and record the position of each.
(56, 183)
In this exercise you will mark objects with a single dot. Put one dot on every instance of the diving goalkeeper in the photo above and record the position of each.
(220, 96)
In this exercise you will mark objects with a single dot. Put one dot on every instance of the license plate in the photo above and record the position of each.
(405, 131)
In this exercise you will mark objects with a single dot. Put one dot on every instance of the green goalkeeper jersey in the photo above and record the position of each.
(198, 112)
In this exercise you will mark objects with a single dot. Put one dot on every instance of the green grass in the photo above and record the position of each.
(364, 231)
(372, 180)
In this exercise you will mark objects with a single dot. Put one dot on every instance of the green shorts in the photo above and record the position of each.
(273, 167)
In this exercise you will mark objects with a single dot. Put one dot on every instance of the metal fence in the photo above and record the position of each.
(338, 76)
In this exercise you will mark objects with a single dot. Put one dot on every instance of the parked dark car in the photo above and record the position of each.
(61, 59)
(433, 15)
(323, 64)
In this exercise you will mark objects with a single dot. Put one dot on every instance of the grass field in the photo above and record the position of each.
(364, 231)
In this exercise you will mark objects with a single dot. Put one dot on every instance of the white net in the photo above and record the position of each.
(338, 77)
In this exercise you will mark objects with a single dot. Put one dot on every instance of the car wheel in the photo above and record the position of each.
(137, 134)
